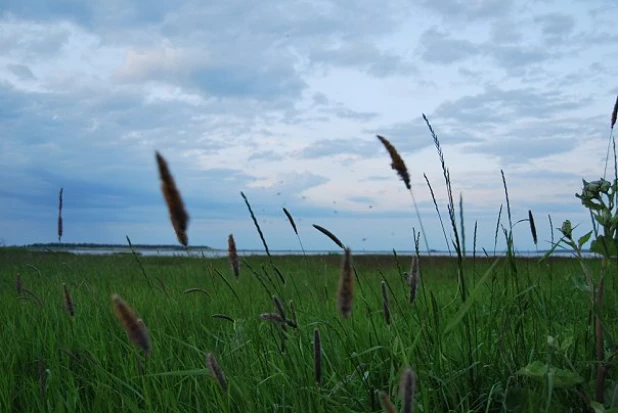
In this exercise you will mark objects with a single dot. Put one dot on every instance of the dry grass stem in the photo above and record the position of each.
(385, 304)
(346, 286)
(397, 162)
(317, 356)
(175, 205)
(329, 235)
(136, 331)
(68, 300)
(407, 388)
(233, 255)
(614, 114)
(215, 371)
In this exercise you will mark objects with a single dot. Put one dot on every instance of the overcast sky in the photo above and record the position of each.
(283, 100)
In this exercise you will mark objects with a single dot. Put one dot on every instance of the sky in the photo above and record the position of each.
(283, 101)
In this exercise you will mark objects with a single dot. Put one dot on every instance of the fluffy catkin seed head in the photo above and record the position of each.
(346, 286)
(386, 403)
(136, 331)
(397, 162)
(532, 227)
(317, 356)
(215, 371)
(60, 227)
(407, 388)
(233, 255)
(175, 205)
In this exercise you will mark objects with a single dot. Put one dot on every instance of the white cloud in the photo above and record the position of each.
(284, 102)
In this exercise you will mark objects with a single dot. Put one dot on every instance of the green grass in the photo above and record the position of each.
(52, 362)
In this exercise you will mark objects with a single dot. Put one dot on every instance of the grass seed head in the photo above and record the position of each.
(346, 286)
(407, 389)
(215, 371)
(175, 205)
(136, 331)
(292, 223)
(532, 227)
(317, 356)
(233, 255)
(68, 300)
(397, 162)
(386, 402)
(60, 227)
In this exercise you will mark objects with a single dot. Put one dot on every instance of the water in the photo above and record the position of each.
(211, 253)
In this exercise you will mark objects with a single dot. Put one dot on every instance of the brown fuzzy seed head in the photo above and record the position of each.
(68, 300)
(175, 205)
(215, 371)
(407, 389)
(532, 227)
(317, 356)
(292, 223)
(60, 227)
(329, 235)
(279, 307)
(272, 317)
(346, 286)
(387, 404)
(397, 162)
(136, 331)
(232, 255)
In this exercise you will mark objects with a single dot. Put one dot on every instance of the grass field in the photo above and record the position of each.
(318, 333)
(524, 316)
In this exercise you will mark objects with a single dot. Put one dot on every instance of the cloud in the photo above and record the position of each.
(555, 26)
(338, 147)
(468, 10)
(284, 103)
(23, 72)
(500, 106)
(440, 48)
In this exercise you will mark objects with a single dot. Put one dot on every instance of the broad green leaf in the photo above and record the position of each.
(463, 310)
(560, 378)
(584, 239)
(597, 407)
(606, 246)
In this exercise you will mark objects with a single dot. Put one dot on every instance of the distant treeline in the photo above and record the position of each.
(77, 245)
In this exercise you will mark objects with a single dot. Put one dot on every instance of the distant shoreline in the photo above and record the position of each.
(171, 250)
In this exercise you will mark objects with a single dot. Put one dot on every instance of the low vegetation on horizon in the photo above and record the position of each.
(325, 333)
